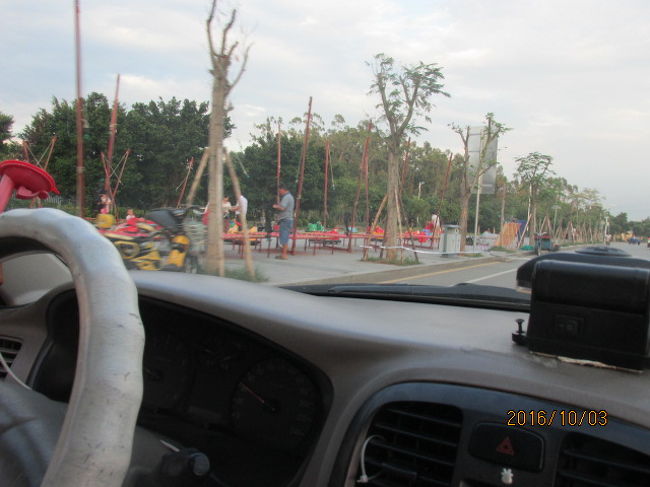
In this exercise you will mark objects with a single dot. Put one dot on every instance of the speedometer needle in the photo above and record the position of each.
(267, 405)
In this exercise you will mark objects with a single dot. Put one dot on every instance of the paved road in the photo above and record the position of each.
(495, 273)
(490, 273)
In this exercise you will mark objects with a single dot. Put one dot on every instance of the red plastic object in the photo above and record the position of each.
(26, 179)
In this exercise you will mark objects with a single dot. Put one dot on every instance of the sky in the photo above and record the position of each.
(572, 79)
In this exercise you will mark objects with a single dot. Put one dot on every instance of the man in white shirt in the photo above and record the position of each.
(241, 208)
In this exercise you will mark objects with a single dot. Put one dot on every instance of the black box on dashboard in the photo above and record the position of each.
(592, 312)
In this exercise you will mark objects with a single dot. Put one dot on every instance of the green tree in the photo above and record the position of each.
(533, 171)
(405, 93)
(8, 148)
(162, 135)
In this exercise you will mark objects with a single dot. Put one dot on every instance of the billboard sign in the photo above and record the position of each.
(476, 146)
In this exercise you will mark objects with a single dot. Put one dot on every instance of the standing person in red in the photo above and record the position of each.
(285, 219)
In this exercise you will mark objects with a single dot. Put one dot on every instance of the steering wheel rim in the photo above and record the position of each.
(96, 439)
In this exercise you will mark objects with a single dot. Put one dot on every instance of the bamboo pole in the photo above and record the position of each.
(111, 138)
(374, 225)
(301, 176)
(50, 151)
(197, 177)
(248, 258)
(123, 162)
(360, 179)
(325, 186)
(366, 219)
(187, 176)
(278, 167)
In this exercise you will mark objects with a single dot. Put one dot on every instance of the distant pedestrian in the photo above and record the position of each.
(285, 220)
(130, 217)
(241, 208)
(105, 204)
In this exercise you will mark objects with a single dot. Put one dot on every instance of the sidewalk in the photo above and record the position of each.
(342, 267)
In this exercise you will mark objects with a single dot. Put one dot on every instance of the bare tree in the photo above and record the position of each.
(405, 93)
(470, 176)
(221, 58)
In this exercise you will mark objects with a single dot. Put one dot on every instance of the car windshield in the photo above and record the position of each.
(306, 143)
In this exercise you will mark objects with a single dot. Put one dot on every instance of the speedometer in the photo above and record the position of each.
(275, 404)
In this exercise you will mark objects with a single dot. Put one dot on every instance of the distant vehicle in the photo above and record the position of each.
(634, 240)
(543, 242)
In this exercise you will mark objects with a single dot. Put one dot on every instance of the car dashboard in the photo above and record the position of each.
(279, 388)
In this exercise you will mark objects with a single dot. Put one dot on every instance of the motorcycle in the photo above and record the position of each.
(163, 240)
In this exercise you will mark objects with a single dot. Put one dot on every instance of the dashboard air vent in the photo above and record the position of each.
(589, 462)
(9, 348)
(412, 444)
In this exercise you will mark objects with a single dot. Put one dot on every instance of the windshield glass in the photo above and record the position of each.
(294, 143)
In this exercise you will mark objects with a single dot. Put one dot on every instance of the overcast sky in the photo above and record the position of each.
(570, 77)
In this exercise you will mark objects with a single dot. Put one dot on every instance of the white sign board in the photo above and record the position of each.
(475, 145)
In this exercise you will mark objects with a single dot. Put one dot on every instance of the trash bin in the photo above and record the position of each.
(450, 240)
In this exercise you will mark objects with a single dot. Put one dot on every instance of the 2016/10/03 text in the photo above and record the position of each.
(561, 417)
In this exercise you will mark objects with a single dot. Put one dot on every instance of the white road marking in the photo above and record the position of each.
(491, 276)
(431, 274)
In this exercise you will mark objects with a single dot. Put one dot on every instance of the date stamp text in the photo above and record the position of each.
(557, 417)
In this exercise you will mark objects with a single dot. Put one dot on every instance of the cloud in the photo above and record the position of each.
(569, 77)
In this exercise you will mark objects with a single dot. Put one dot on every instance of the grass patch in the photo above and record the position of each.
(241, 274)
(498, 248)
(472, 255)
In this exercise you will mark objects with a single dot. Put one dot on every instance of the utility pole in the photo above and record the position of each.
(478, 199)
(301, 177)
(278, 166)
(81, 187)
(111, 138)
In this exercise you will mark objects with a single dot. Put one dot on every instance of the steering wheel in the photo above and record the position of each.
(95, 441)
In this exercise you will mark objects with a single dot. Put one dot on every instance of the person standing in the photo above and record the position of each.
(241, 208)
(131, 219)
(105, 204)
(226, 207)
(285, 220)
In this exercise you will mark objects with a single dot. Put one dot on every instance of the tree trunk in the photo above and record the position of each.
(214, 258)
(390, 234)
(464, 214)
(503, 211)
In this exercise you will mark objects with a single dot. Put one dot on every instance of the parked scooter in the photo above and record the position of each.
(158, 242)
(138, 244)
(182, 255)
